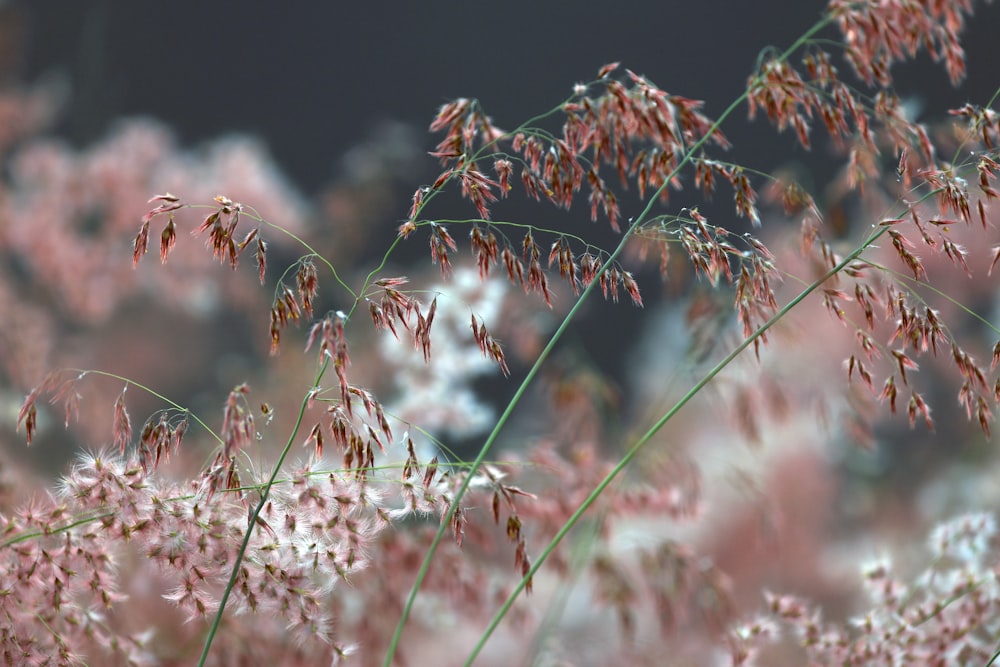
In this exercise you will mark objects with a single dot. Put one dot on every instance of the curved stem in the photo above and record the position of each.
(433, 193)
(130, 381)
(660, 423)
(501, 422)
(312, 253)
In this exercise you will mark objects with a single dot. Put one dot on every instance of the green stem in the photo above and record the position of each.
(129, 381)
(48, 532)
(446, 520)
(265, 492)
(433, 193)
(312, 253)
(648, 435)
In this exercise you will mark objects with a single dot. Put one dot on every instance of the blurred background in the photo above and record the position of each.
(316, 115)
(311, 82)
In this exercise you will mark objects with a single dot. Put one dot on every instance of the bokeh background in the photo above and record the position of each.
(316, 114)
(324, 105)
(312, 80)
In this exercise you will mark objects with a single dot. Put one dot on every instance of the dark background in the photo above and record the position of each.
(311, 78)
(314, 80)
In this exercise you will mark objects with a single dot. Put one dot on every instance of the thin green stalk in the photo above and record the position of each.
(265, 492)
(312, 253)
(129, 381)
(446, 519)
(251, 212)
(48, 532)
(433, 193)
(501, 422)
(586, 542)
(648, 435)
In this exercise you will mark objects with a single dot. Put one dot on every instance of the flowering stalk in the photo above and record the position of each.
(543, 356)
(280, 544)
(654, 429)
(265, 492)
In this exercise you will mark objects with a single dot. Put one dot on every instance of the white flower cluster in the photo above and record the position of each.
(437, 396)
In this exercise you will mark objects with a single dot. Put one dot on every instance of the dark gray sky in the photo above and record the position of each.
(310, 78)
(313, 77)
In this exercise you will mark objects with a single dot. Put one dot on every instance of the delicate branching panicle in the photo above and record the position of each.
(333, 345)
(170, 203)
(122, 424)
(878, 34)
(238, 429)
(488, 345)
(441, 243)
(486, 248)
(632, 126)
(250, 549)
(504, 497)
(308, 283)
(290, 306)
(397, 307)
(61, 387)
(168, 238)
(220, 224)
(160, 438)
(27, 416)
(638, 130)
